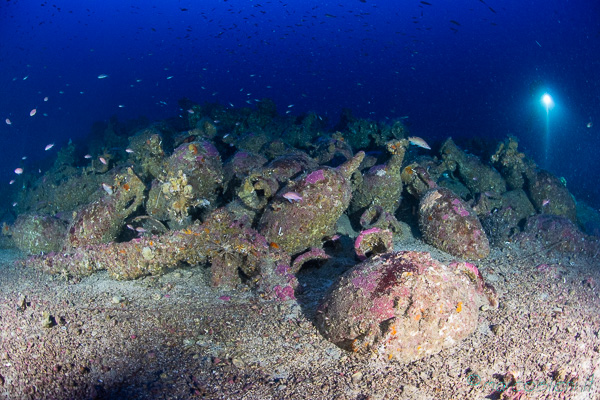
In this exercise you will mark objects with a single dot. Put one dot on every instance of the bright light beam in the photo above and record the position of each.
(547, 101)
(549, 104)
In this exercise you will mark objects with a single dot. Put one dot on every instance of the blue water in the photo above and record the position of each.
(460, 68)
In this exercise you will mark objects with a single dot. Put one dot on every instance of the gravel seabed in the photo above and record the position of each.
(175, 337)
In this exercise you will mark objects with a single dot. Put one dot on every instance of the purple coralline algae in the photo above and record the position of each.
(386, 306)
(315, 176)
(299, 225)
(311, 255)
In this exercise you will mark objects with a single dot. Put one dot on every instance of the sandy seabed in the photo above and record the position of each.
(175, 337)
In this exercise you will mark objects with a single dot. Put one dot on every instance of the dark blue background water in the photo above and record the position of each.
(480, 76)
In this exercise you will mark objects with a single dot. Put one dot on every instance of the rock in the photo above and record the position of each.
(450, 224)
(373, 241)
(35, 234)
(102, 220)
(319, 199)
(403, 306)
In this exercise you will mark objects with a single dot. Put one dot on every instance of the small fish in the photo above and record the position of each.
(102, 160)
(11, 182)
(8, 121)
(455, 22)
(291, 105)
(87, 156)
(107, 188)
(589, 124)
(292, 196)
(128, 151)
(170, 77)
(140, 229)
(48, 146)
(32, 112)
(46, 98)
(18, 171)
(190, 111)
(121, 106)
(545, 202)
(102, 76)
(417, 141)
(130, 227)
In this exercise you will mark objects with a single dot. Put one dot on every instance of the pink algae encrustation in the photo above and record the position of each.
(315, 176)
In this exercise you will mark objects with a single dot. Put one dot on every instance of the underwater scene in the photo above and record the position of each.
(249, 199)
